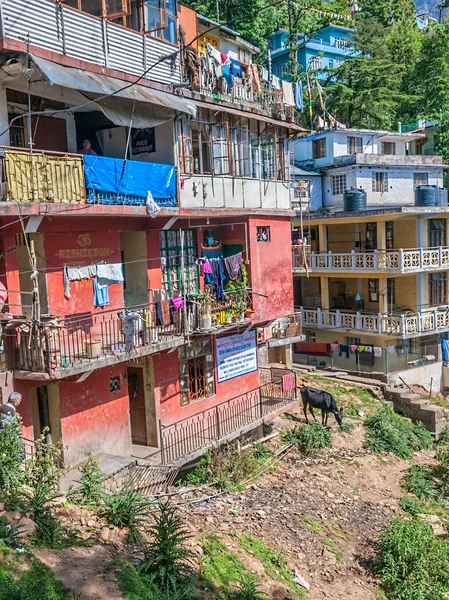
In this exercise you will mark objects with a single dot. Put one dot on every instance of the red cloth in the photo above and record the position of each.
(319, 349)
(288, 382)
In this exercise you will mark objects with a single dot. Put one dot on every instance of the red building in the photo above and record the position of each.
(115, 331)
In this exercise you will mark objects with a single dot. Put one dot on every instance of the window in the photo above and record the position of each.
(437, 285)
(354, 144)
(205, 148)
(388, 148)
(391, 291)
(159, 17)
(311, 337)
(371, 236)
(352, 341)
(263, 234)
(196, 371)
(319, 148)
(420, 146)
(420, 179)
(170, 246)
(331, 63)
(111, 9)
(437, 232)
(389, 227)
(17, 132)
(114, 384)
(342, 43)
(338, 184)
(316, 63)
(380, 181)
(373, 290)
(220, 148)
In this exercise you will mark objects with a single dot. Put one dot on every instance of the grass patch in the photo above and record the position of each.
(311, 524)
(347, 427)
(443, 439)
(419, 481)
(309, 438)
(413, 506)
(220, 567)
(36, 583)
(412, 563)
(330, 546)
(273, 561)
(389, 432)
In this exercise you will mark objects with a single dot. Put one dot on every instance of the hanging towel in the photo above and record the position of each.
(67, 293)
(165, 311)
(178, 303)
(287, 93)
(233, 266)
(101, 294)
(344, 350)
(368, 348)
(207, 268)
(79, 273)
(236, 68)
(354, 348)
(361, 348)
(299, 98)
(264, 75)
(334, 346)
(228, 76)
(224, 58)
(109, 274)
(377, 352)
(128, 331)
(256, 79)
(288, 382)
(276, 82)
(214, 53)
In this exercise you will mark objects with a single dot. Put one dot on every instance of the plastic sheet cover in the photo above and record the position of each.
(109, 183)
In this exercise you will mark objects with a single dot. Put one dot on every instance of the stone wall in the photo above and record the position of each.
(412, 406)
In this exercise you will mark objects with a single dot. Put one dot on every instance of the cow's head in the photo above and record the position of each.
(339, 416)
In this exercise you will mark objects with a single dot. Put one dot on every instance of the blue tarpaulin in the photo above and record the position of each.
(445, 349)
(106, 181)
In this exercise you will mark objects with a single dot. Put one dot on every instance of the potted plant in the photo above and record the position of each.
(205, 302)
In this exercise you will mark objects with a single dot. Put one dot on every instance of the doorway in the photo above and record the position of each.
(137, 411)
(41, 414)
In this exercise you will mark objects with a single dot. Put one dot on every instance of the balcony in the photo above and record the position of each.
(405, 325)
(393, 160)
(393, 262)
(53, 177)
(78, 35)
(56, 348)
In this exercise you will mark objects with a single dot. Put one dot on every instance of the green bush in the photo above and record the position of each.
(166, 562)
(134, 586)
(128, 509)
(419, 481)
(90, 492)
(309, 438)
(413, 506)
(412, 563)
(10, 534)
(37, 583)
(389, 432)
(443, 438)
(12, 453)
(248, 590)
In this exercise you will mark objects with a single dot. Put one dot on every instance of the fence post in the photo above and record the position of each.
(217, 422)
(260, 403)
(47, 352)
(161, 441)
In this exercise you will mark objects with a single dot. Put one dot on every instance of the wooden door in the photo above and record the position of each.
(137, 405)
(49, 133)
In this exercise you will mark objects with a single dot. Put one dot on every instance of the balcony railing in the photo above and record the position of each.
(81, 342)
(408, 324)
(209, 427)
(385, 261)
(53, 177)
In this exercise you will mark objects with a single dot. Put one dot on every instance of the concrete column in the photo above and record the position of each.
(4, 121)
(322, 238)
(383, 296)
(287, 356)
(420, 291)
(421, 233)
(324, 284)
(381, 235)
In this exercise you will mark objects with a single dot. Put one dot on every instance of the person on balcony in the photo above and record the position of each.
(87, 149)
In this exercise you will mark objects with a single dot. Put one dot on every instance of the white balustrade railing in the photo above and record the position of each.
(402, 261)
(405, 325)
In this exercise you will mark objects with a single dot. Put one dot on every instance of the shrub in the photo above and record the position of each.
(419, 481)
(37, 583)
(126, 509)
(248, 590)
(443, 439)
(10, 534)
(308, 438)
(166, 562)
(413, 564)
(389, 432)
(413, 506)
(12, 453)
(90, 491)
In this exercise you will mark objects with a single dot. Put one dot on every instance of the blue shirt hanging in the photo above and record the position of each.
(236, 68)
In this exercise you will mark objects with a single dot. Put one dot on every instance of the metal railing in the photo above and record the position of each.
(403, 325)
(87, 338)
(403, 261)
(212, 425)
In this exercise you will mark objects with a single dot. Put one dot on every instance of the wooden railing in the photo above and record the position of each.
(210, 426)
(407, 324)
(87, 338)
(402, 261)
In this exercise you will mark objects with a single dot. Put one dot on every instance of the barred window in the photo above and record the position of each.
(380, 181)
(338, 184)
(170, 246)
(196, 371)
(420, 179)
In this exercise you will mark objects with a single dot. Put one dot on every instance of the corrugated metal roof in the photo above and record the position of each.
(95, 83)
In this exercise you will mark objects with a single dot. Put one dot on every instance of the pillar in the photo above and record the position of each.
(12, 274)
(383, 296)
(324, 286)
(4, 119)
(322, 238)
(421, 233)
(420, 291)
(287, 356)
(381, 235)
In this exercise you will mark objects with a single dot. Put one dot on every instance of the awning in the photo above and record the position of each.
(251, 115)
(149, 107)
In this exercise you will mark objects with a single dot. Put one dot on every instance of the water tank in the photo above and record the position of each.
(442, 197)
(354, 200)
(426, 195)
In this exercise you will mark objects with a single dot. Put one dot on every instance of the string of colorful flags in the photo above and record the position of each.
(353, 8)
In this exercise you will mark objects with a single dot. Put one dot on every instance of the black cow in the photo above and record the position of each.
(313, 398)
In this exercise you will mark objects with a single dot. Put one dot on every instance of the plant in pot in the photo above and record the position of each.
(239, 307)
(205, 302)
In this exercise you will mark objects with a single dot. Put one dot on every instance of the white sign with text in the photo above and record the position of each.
(236, 355)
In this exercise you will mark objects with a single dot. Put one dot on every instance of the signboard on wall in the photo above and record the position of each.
(143, 140)
(236, 355)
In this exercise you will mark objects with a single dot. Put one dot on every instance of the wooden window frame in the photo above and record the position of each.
(319, 148)
(380, 184)
(171, 255)
(354, 144)
(198, 362)
(163, 13)
(126, 9)
(373, 290)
